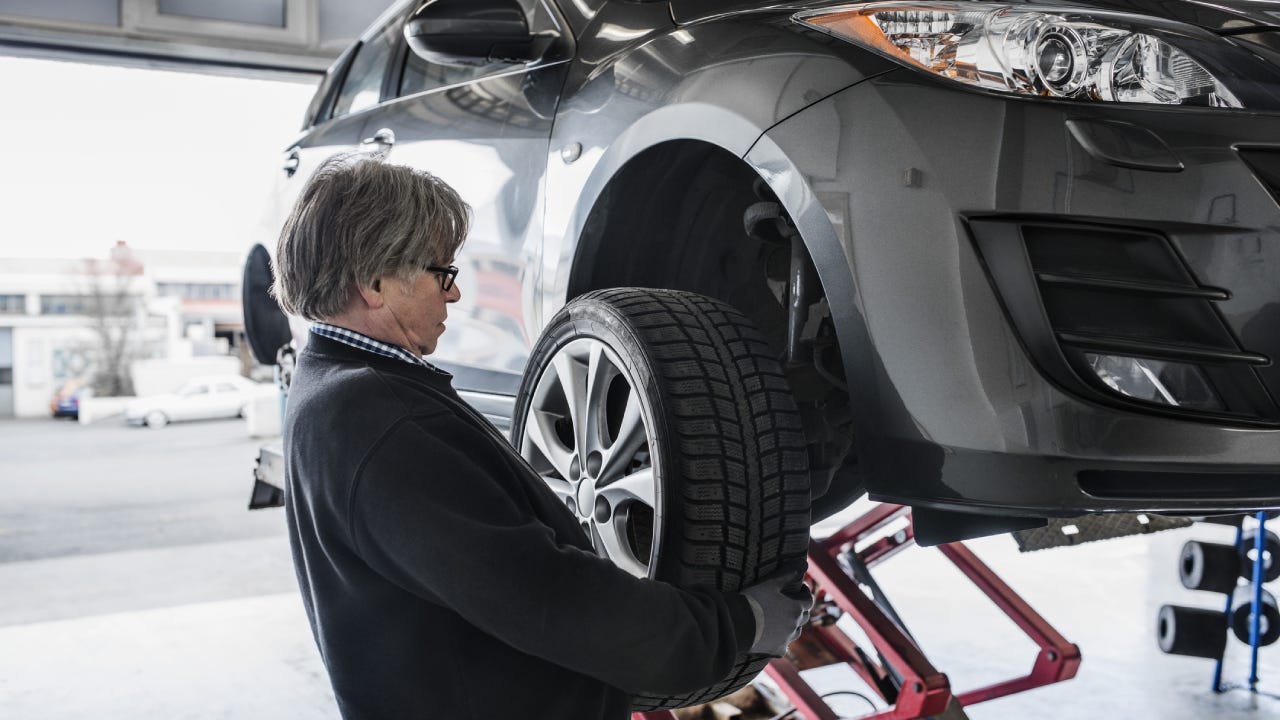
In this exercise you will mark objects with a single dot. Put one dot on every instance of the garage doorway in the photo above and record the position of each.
(6, 372)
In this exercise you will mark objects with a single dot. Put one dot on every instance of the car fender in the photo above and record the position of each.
(812, 214)
(725, 82)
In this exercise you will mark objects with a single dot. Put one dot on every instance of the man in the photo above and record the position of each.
(441, 577)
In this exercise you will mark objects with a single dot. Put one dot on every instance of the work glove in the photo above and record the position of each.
(781, 607)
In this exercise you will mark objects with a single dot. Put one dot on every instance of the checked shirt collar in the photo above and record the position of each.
(368, 344)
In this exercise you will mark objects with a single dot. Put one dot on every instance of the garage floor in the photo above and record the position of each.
(214, 628)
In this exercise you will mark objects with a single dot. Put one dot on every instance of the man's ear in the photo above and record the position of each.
(372, 295)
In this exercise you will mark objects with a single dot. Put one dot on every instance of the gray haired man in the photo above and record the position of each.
(441, 577)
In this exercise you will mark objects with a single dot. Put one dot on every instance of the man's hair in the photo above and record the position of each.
(357, 220)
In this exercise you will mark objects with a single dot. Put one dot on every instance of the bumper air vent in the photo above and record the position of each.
(1117, 316)
(1191, 486)
(1265, 164)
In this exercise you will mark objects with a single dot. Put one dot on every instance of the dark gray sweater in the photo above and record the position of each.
(443, 579)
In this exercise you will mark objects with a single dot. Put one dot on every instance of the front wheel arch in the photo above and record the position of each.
(673, 217)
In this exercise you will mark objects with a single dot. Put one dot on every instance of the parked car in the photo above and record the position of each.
(204, 398)
(997, 261)
(65, 403)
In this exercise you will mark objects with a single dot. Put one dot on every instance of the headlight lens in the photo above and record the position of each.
(1032, 51)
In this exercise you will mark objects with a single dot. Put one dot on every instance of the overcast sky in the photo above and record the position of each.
(159, 159)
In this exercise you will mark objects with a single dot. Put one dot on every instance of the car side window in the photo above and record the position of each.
(420, 75)
(362, 87)
(196, 390)
(317, 109)
(227, 388)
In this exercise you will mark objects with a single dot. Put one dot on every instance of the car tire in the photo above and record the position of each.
(1193, 632)
(694, 449)
(1242, 618)
(156, 419)
(1270, 555)
(1213, 567)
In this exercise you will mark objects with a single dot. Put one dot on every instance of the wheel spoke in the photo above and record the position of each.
(539, 431)
(631, 438)
(561, 488)
(577, 382)
(636, 487)
(597, 377)
(573, 382)
(608, 539)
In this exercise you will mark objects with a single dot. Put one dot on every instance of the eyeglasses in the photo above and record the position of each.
(446, 274)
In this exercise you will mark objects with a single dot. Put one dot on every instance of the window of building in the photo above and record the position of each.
(197, 291)
(13, 304)
(64, 304)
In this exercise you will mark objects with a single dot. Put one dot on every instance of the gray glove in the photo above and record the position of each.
(781, 607)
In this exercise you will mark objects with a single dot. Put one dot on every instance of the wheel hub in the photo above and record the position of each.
(586, 499)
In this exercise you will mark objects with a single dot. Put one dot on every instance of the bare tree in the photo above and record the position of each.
(112, 307)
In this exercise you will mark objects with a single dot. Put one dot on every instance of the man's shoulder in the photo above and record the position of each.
(345, 385)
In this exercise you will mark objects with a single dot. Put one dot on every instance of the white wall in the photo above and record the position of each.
(34, 350)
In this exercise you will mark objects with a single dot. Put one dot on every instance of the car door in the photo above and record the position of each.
(227, 400)
(338, 112)
(193, 402)
(485, 131)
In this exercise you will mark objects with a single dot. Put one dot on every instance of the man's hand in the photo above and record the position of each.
(781, 607)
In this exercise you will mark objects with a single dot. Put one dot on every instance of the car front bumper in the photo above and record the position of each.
(974, 393)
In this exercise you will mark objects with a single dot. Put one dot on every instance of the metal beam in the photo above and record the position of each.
(239, 39)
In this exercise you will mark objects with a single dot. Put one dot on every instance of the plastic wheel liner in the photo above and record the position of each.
(665, 425)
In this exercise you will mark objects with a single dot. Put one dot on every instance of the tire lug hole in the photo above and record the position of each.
(575, 469)
(594, 461)
(603, 511)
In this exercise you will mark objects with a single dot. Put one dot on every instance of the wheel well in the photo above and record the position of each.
(673, 217)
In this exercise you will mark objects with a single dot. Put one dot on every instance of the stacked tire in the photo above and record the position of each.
(1219, 568)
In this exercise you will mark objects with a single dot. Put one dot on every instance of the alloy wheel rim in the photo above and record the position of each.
(586, 435)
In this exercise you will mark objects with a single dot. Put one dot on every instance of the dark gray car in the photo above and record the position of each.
(997, 261)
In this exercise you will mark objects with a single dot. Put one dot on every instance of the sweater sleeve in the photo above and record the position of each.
(453, 527)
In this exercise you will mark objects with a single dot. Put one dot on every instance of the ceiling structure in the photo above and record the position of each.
(284, 39)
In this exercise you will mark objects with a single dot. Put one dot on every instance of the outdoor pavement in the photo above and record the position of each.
(137, 586)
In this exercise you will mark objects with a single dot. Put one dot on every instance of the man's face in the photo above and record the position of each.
(418, 305)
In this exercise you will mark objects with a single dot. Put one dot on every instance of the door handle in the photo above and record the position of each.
(384, 138)
(291, 162)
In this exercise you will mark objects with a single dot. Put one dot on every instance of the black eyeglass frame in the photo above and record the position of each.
(446, 274)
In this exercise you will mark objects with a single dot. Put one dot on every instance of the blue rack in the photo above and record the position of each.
(1255, 616)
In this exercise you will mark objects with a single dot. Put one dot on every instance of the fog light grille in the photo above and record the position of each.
(1117, 314)
(1265, 164)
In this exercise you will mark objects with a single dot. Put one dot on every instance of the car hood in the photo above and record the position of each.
(1217, 16)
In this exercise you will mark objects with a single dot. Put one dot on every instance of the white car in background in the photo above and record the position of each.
(202, 398)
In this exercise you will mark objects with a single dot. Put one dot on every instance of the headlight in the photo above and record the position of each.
(1029, 50)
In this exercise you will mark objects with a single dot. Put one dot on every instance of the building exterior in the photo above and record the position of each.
(184, 304)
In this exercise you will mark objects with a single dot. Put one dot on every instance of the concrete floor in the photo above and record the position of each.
(195, 615)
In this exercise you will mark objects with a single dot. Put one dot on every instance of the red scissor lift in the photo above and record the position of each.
(894, 667)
